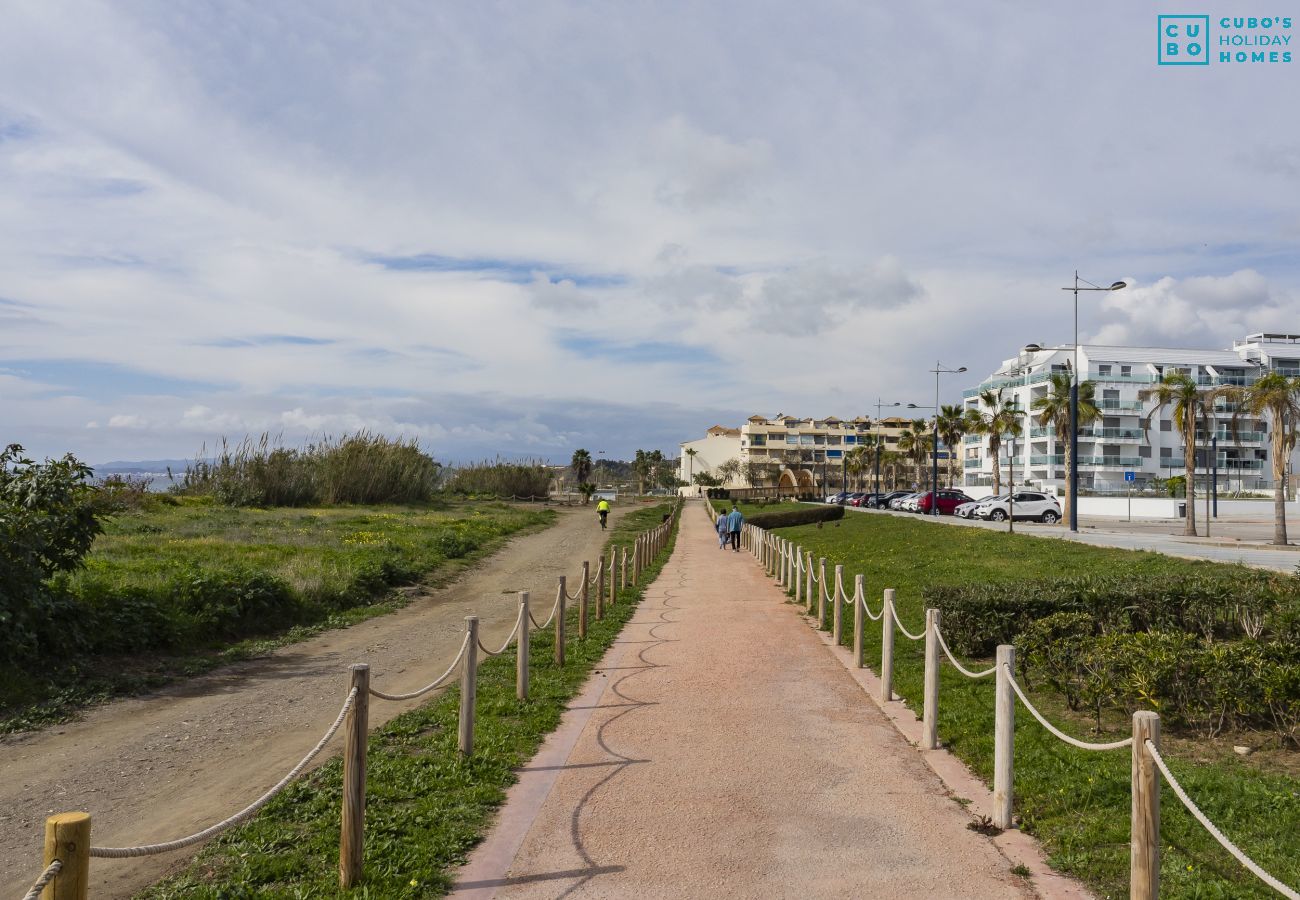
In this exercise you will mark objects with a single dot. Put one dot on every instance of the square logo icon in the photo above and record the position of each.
(1184, 40)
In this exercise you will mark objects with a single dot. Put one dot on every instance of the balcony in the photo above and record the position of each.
(1217, 380)
(1105, 462)
(1134, 406)
(972, 439)
(1017, 381)
(1123, 434)
(1123, 379)
(973, 463)
(1226, 437)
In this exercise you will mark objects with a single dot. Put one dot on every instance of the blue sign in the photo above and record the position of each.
(1184, 40)
(1130, 476)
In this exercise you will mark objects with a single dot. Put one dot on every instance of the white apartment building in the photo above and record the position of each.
(718, 445)
(1119, 443)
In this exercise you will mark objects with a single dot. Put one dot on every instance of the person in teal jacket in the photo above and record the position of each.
(734, 521)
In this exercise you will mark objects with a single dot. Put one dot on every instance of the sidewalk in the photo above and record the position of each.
(724, 751)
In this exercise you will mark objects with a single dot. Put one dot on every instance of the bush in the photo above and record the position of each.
(500, 479)
(47, 525)
(804, 516)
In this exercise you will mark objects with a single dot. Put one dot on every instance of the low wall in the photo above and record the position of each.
(1167, 507)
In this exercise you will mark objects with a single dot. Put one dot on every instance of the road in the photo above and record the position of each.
(166, 764)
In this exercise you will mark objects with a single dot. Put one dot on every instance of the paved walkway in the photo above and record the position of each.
(724, 751)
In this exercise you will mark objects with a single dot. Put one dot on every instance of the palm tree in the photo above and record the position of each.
(999, 418)
(915, 442)
(952, 428)
(691, 453)
(1190, 405)
(1277, 397)
(1053, 410)
(581, 466)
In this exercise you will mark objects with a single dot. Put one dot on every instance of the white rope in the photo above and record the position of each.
(554, 609)
(46, 877)
(244, 814)
(514, 631)
(431, 685)
(952, 659)
(875, 617)
(1082, 745)
(1215, 832)
(902, 628)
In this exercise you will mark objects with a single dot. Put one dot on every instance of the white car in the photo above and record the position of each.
(966, 510)
(1027, 505)
(911, 503)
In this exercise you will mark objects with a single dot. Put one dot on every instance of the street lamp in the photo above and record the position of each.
(879, 439)
(934, 450)
(939, 369)
(1073, 491)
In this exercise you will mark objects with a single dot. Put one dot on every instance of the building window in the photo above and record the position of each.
(1166, 452)
(1126, 370)
(1144, 452)
(1103, 370)
(1166, 425)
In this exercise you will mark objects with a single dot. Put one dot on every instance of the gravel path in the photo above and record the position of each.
(168, 763)
(731, 755)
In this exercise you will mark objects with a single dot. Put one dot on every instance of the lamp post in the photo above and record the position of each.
(879, 438)
(1073, 490)
(939, 369)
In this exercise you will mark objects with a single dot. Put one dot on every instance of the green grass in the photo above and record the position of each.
(426, 806)
(152, 601)
(1075, 802)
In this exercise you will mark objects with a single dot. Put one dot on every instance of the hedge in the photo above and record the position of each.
(805, 516)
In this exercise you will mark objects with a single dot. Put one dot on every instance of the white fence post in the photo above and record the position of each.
(798, 574)
(859, 621)
(821, 593)
(930, 714)
(1004, 737)
(469, 686)
(1144, 843)
(887, 647)
(521, 654)
(808, 581)
(837, 612)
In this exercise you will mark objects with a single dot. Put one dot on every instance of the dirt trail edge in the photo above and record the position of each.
(166, 764)
(730, 755)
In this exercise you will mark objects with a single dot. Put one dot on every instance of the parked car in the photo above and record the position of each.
(836, 498)
(909, 502)
(867, 500)
(901, 502)
(948, 501)
(1026, 505)
(854, 499)
(965, 510)
(884, 501)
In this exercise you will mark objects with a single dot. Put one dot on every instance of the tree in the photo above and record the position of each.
(750, 472)
(915, 442)
(952, 428)
(47, 526)
(728, 471)
(691, 453)
(856, 463)
(650, 467)
(1053, 410)
(1189, 404)
(581, 466)
(706, 479)
(1276, 397)
(999, 418)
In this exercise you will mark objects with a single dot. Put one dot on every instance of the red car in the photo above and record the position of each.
(948, 501)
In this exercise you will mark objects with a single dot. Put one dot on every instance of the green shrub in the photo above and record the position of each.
(803, 516)
(500, 479)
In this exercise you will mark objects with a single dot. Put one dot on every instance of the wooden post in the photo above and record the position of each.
(808, 582)
(859, 622)
(600, 589)
(1144, 843)
(469, 687)
(559, 623)
(930, 713)
(622, 570)
(521, 649)
(613, 576)
(887, 647)
(1004, 736)
(636, 561)
(67, 838)
(837, 618)
(821, 593)
(798, 574)
(352, 840)
(583, 596)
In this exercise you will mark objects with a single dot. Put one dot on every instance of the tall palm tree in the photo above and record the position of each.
(952, 428)
(581, 466)
(691, 453)
(999, 417)
(1190, 405)
(1053, 410)
(915, 442)
(1277, 397)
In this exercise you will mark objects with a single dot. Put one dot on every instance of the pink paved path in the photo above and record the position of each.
(725, 752)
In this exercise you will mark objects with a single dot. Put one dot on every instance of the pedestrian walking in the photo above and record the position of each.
(734, 520)
(724, 530)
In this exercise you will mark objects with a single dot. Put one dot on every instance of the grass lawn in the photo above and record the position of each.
(1075, 802)
(426, 806)
(179, 589)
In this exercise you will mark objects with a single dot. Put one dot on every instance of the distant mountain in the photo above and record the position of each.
(142, 466)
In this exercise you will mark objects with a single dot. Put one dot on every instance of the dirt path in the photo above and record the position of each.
(731, 755)
(166, 764)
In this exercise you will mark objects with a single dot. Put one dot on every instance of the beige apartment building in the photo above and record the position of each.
(788, 452)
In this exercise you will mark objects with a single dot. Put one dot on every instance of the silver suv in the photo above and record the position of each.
(1028, 505)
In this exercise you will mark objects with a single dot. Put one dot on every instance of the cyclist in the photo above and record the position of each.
(602, 510)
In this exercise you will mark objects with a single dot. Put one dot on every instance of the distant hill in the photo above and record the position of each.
(142, 466)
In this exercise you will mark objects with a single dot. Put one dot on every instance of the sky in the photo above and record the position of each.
(520, 229)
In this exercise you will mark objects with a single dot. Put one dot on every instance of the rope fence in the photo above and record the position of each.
(1148, 766)
(68, 848)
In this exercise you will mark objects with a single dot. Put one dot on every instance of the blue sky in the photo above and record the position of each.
(522, 229)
